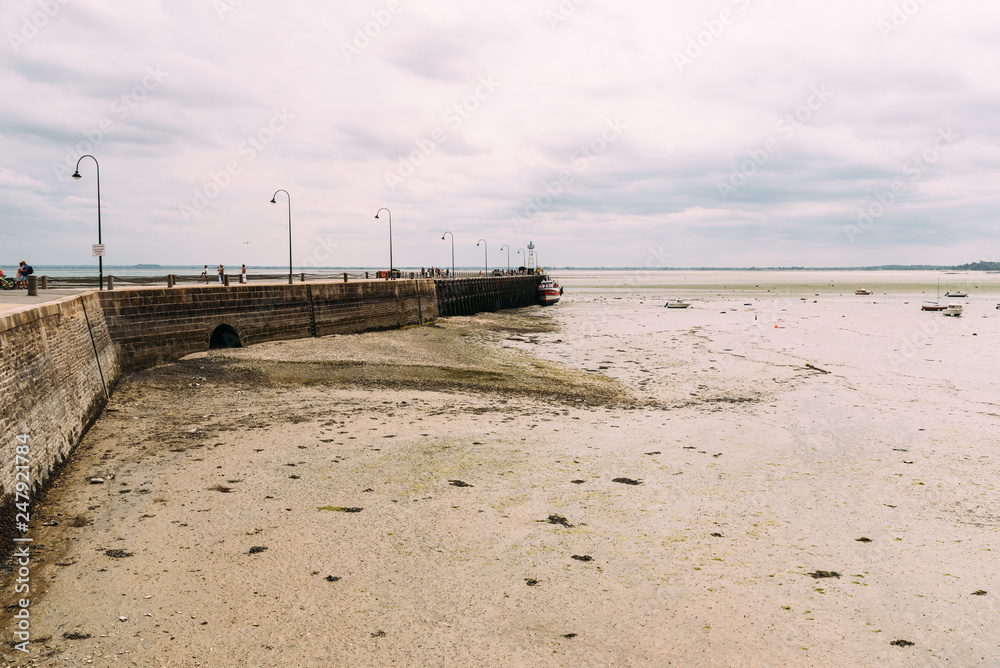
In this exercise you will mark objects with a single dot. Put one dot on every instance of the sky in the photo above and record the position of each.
(610, 133)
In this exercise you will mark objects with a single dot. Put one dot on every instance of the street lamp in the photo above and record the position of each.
(100, 258)
(452, 252)
(391, 274)
(508, 256)
(524, 259)
(486, 250)
(281, 190)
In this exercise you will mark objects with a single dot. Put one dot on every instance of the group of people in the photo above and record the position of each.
(434, 272)
(21, 278)
(221, 271)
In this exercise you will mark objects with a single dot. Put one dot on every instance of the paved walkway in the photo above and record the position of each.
(11, 299)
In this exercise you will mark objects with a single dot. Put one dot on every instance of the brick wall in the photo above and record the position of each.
(466, 296)
(50, 379)
(50, 384)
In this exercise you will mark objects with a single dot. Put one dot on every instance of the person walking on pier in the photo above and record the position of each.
(204, 274)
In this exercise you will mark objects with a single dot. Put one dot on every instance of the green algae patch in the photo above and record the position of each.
(340, 509)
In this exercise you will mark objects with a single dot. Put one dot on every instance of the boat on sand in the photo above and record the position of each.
(549, 292)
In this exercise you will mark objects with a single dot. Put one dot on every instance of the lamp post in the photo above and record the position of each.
(524, 259)
(391, 274)
(452, 252)
(281, 190)
(508, 256)
(100, 258)
(486, 250)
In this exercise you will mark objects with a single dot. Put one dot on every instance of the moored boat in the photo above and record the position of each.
(862, 292)
(953, 309)
(956, 294)
(549, 292)
(934, 305)
(677, 303)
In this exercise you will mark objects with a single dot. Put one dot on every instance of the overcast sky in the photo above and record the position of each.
(609, 132)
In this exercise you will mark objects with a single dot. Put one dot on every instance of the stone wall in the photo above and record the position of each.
(466, 296)
(155, 325)
(51, 385)
(60, 359)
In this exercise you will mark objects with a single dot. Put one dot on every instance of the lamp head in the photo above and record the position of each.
(442, 237)
(76, 175)
(376, 217)
(272, 201)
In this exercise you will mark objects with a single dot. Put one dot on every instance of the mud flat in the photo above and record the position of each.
(538, 488)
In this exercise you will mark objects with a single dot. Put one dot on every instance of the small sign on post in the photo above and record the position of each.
(98, 250)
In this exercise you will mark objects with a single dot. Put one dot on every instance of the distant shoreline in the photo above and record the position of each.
(978, 266)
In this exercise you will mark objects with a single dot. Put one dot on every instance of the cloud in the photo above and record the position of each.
(564, 69)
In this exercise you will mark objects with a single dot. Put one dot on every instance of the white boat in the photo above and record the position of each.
(953, 309)
(956, 294)
(935, 305)
(677, 303)
(862, 292)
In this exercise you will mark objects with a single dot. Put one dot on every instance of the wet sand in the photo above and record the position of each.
(654, 488)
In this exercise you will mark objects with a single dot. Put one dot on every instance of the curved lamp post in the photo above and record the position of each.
(391, 273)
(100, 258)
(281, 190)
(508, 256)
(524, 259)
(452, 252)
(486, 250)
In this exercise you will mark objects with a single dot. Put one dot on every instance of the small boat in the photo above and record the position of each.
(934, 305)
(956, 294)
(953, 309)
(549, 292)
(677, 303)
(862, 292)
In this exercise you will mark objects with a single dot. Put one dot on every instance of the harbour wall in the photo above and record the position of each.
(61, 360)
(57, 359)
(466, 296)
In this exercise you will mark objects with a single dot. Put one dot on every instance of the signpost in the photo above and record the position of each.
(98, 250)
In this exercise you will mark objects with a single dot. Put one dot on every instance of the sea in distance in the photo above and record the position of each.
(786, 473)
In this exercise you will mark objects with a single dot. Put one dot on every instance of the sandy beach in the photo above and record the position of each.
(803, 477)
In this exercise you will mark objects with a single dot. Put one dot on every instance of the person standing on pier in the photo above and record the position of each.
(243, 274)
(222, 275)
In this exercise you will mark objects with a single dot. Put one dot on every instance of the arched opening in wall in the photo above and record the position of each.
(224, 336)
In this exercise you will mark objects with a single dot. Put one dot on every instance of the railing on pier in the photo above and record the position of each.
(234, 278)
